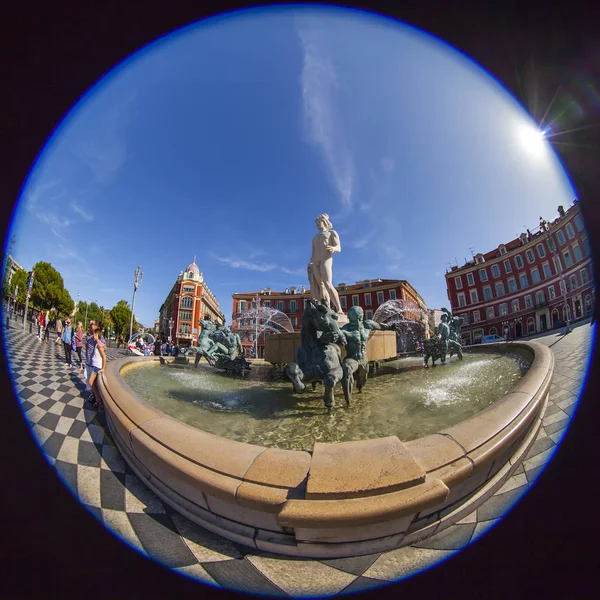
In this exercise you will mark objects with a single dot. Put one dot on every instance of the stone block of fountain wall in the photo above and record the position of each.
(281, 348)
(341, 500)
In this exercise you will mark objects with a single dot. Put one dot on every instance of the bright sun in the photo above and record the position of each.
(532, 139)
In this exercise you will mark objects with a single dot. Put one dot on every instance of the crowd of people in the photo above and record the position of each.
(74, 341)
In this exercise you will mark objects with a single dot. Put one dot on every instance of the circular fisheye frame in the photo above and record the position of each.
(309, 395)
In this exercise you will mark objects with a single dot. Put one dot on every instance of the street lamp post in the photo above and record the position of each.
(170, 327)
(137, 281)
(257, 300)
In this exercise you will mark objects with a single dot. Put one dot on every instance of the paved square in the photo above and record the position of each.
(75, 440)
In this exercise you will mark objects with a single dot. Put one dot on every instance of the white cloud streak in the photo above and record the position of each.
(240, 263)
(81, 212)
(106, 152)
(318, 81)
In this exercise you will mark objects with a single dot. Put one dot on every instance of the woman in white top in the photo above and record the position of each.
(98, 362)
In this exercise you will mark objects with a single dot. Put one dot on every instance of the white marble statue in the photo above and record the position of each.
(320, 276)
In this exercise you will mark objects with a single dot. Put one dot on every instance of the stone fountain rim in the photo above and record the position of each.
(190, 468)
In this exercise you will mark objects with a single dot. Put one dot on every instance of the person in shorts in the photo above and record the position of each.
(97, 364)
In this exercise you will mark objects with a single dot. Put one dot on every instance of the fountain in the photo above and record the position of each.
(262, 319)
(409, 320)
(258, 463)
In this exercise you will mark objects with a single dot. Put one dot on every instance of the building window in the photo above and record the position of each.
(499, 290)
(502, 250)
(541, 250)
(551, 293)
(342, 288)
(570, 231)
(551, 244)
(355, 300)
(535, 275)
(530, 256)
(557, 264)
(477, 336)
(586, 245)
(294, 321)
(342, 301)
(493, 331)
(567, 258)
(547, 270)
(380, 297)
(560, 236)
(293, 306)
(242, 305)
(487, 293)
(512, 285)
(280, 305)
(483, 275)
(503, 309)
(495, 271)
(470, 279)
(490, 312)
(369, 315)
(188, 289)
(476, 316)
(523, 281)
(461, 299)
(515, 306)
(540, 299)
(584, 277)
(392, 294)
(519, 261)
(184, 328)
(267, 304)
(474, 297)
(528, 302)
(577, 251)
(578, 222)
(366, 285)
(507, 266)
(185, 315)
(367, 299)
(187, 302)
(574, 282)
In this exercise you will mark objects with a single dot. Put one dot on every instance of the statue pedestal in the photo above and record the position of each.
(342, 319)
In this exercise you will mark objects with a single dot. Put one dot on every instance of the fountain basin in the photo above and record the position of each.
(343, 499)
(281, 349)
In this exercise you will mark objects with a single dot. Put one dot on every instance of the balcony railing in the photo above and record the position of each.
(540, 304)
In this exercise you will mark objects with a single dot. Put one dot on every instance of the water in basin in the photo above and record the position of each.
(402, 399)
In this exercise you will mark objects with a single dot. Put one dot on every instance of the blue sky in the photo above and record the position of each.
(225, 139)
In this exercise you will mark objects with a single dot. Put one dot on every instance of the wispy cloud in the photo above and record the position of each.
(106, 152)
(36, 194)
(239, 263)
(387, 164)
(81, 212)
(249, 265)
(321, 120)
(362, 241)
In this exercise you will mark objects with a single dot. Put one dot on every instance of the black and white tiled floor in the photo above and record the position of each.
(75, 440)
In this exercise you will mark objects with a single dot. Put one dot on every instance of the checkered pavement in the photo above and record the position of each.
(75, 440)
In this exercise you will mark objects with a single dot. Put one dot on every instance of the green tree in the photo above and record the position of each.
(19, 278)
(48, 289)
(120, 315)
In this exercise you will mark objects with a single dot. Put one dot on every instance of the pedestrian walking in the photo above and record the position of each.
(42, 323)
(97, 364)
(47, 331)
(59, 329)
(78, 337)
(67, 339)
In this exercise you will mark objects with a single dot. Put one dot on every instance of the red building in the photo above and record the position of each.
(189, 300)
(368, 294)
(531, 284)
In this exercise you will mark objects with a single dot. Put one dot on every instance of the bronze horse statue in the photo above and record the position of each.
(318, 358)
